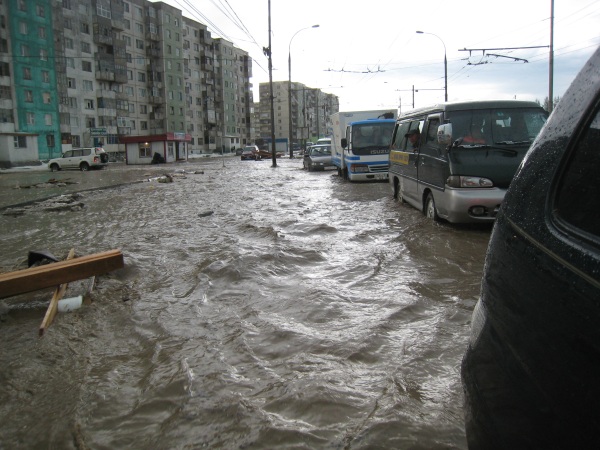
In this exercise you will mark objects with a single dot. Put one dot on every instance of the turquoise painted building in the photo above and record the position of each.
(35, 99)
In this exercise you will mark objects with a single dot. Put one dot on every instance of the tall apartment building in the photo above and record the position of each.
(311, 109)
(83, 72)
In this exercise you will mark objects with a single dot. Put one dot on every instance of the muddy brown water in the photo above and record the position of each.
(259, 307)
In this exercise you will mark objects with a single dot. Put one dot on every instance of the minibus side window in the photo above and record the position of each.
(431, 146)
(399, 142)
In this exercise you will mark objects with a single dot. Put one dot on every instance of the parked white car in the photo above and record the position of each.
(80, 158)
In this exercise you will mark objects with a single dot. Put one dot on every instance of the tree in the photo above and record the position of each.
(546, 105)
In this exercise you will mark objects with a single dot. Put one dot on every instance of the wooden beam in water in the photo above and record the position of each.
(53, 306)
(55, 274)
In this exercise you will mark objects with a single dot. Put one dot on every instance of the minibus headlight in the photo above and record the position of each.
(456, 181)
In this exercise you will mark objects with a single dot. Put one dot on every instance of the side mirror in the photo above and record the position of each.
(344, 142)
(444, 134)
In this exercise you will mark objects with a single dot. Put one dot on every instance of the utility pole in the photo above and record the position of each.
(271, 94)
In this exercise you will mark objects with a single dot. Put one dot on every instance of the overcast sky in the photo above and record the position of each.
(370, 56)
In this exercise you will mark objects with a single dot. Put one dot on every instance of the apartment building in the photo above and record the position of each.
(89, 72)
(311, 109)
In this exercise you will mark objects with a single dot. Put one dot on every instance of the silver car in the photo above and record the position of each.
(318, 158)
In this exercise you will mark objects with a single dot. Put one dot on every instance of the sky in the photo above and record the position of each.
(370, 56)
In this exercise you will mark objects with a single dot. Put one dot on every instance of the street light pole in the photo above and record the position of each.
(445, 64)
(290, 133)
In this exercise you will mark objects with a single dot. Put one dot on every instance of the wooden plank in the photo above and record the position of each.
(53, 306)
(41, 277)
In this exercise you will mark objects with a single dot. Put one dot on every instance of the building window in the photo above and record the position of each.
(69, 43)
(30, 118)
(145, 151)
(23, 27)
(42, 32)
(90, 122)
(71, 83)
(22, 6)
(86, 47)
(102, 11)
(48, 119)
(20, 142)
(141, 76)
(28, 96)
(50, 140)
(45, 76)
(84, 28)
(86, 66)
(41, 11)
(47, 98)
(24, 50)
(43, 54)
(89, 103)
(27, 73)
(143, 125)
(139, 44)
(88, 85)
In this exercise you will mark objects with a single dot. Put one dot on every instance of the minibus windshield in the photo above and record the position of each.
(501, 126)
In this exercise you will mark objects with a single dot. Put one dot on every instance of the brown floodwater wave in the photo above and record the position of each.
(259, 307)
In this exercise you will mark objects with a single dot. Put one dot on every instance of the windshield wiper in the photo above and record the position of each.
(471, 146)
(512, 142)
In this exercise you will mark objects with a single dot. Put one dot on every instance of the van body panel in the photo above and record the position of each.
(531, 368)
(488, 142)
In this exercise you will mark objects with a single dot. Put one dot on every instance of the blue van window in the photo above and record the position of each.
(577, 202)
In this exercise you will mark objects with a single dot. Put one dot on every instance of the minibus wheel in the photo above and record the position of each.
(430, 210)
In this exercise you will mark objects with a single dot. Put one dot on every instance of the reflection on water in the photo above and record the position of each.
(258, 307)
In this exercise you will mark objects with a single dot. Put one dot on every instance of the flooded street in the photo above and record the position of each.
(259, 307)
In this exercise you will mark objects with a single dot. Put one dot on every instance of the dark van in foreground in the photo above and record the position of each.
(531, 373)
(454, 161)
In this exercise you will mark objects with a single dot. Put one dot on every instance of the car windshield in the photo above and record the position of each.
(320, 151)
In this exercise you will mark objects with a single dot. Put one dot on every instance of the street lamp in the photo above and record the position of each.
(445, 64)
(290, 87)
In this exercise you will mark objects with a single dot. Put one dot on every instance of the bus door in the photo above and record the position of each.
(409, 183)
(432, 166)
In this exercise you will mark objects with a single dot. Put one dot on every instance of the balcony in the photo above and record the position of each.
(152, 52)
(156, 124)
(152, 36)
(105, 75)
(123, 131)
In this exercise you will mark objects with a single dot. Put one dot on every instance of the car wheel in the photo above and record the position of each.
(84, 167)
(430, 210)
(54, 167)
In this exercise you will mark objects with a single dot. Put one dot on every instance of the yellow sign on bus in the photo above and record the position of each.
(399, 157)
